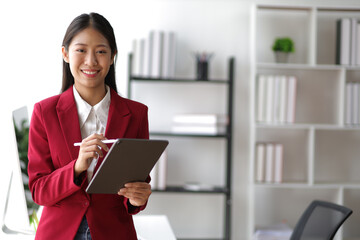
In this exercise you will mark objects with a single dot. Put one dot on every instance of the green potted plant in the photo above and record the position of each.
(22, 138)
(282, 47)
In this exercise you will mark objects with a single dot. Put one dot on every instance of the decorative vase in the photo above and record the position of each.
(281, 57)
(202, 70)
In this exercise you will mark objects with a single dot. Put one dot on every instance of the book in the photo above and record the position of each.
(261, 98)
(154, 176)
(168, 58)
(270, 99)
(137, 58)
(291, 102)
(207, 119)
(278, 163)
(147, 63)
(162, 171)
(196, 186)
(260, 162)
(276, 101)
(283, 99)
(355, 103)
(357, 55)
(269, 163)
(348, 107)
(353, 36)
(209, 130)
(157, 48)
(343, 41)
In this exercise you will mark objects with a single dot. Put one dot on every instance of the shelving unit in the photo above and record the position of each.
(222, 141)
(320, 151)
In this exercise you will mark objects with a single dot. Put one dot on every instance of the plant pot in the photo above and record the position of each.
(281, 57)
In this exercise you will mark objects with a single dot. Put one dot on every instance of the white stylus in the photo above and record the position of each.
(104, 141)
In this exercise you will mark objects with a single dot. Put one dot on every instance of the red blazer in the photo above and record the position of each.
(54, 128)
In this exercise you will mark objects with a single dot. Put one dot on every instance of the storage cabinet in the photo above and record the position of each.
(199, 158)
(320, 151)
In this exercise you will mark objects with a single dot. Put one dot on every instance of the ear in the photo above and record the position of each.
(65, 54)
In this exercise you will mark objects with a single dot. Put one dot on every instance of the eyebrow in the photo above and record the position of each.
(99, 45)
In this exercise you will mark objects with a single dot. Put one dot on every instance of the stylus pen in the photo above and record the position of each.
(104, 141)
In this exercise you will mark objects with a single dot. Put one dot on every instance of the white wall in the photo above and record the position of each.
(31, 36)
(31, 33)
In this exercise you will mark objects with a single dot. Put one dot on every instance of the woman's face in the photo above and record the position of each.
(89, 56)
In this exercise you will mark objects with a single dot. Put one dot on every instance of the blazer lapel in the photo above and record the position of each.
(69, 121)
(118, 118)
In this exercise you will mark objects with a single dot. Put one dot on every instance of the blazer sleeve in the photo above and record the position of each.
(47, 184)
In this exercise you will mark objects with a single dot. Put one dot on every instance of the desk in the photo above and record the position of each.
(4, 236)
(148, 227)
(153, 227)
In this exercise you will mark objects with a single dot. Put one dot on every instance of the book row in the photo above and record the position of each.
(348, 41)
(352, 105)
(276, 99)
(269, 162)
(211, 124)
(154, 56)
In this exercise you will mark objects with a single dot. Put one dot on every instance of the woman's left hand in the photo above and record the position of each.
(137, 192)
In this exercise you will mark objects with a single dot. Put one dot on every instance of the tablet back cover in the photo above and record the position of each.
(128, 160)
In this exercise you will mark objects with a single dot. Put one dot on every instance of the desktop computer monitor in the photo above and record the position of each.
(21, 214)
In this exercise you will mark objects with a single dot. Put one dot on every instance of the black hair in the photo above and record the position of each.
(99, 23)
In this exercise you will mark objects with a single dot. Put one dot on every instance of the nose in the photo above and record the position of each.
(91, 59)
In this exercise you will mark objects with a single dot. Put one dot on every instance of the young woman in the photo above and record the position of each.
(88, 110)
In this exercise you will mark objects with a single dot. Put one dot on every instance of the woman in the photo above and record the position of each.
(88, 110)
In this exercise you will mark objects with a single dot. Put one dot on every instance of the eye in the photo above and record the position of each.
(80, 50)
(102, 51)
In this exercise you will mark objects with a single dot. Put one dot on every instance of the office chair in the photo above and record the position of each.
(320, 221)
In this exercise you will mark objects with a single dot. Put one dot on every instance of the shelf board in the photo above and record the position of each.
(306, 126)
(325, 185)
(346, 185)
(304, 66)
(283, 185)
(170, 134)
(289, 7)
(182, 189)
(338, 9)
(177, 79)
(200, 238)
(284, 7)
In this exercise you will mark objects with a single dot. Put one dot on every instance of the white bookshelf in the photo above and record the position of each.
(320, 151)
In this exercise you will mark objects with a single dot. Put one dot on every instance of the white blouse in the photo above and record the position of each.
(92, 119)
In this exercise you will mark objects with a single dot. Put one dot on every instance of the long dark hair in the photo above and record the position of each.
(99, 23)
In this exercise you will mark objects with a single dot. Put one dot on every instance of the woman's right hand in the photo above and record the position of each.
(90, 148)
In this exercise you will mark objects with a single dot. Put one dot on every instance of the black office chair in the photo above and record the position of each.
(320, 221)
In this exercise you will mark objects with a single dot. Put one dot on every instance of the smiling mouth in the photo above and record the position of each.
(89, 72)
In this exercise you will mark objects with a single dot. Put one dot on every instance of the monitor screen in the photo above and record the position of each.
(21, 214)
